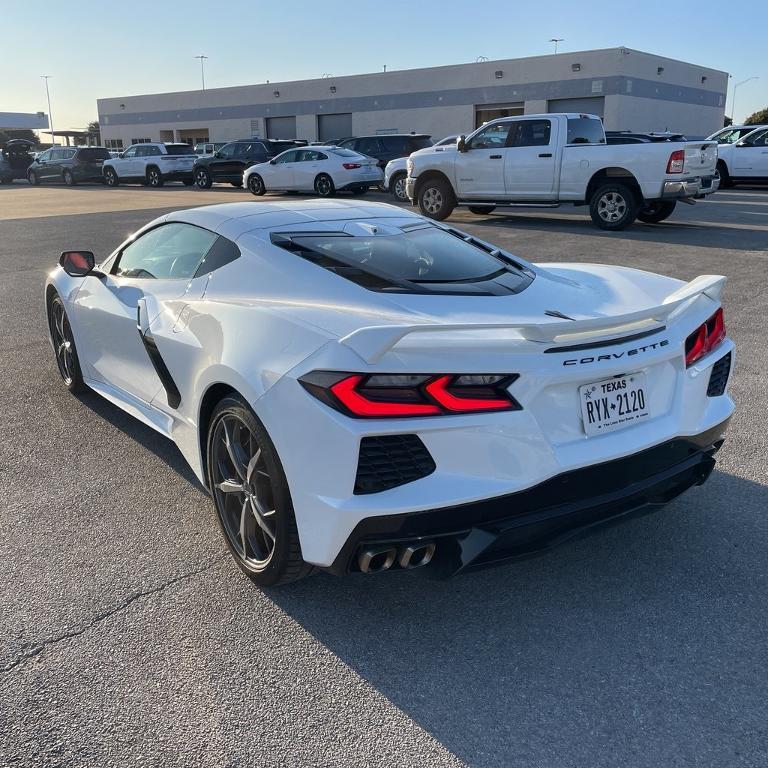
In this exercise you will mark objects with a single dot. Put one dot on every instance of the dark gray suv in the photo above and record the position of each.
(69, 165)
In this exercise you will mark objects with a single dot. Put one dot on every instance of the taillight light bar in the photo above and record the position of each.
(676, 161)
(705, 338)
(352, 166)
(376, 396)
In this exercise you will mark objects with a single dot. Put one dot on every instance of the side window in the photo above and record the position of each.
(585, 130)
(172, 250)
(56, 154)
(310, 155)
(142, 151)
(395, 144)
(287, 157)
(130, 152)
(45, 156)
(760, 140)
(492, 137)
(222, 252)
(69, 153)
(152, 150)
(348, 144)
(369, 146)
(228, 150)
(530, 133)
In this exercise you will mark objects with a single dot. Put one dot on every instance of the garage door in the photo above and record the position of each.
(281, 127)
(591, 105)
(334, 127)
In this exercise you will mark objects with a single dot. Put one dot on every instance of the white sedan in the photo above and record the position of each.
(324, 170)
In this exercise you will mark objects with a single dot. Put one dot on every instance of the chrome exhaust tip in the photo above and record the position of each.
(417, 554)
(376, 559)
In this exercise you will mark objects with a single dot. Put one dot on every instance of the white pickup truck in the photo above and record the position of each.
(152, 164)
(547, 160)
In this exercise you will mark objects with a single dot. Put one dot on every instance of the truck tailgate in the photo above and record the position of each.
(700, 158)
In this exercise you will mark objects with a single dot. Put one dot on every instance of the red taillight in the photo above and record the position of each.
(676, 161)
(351, 166)
(705, 338)
(404, 395)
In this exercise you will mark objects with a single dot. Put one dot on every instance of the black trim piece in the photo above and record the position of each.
(528, 522)
(718, 378)
(607, 342)
(388, 461)
(169, 385)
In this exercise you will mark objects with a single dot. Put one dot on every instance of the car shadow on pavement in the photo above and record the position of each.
(640, 645)
(161, 446)
(686, 234)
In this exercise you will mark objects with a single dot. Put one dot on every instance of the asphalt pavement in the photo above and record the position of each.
(128, 637)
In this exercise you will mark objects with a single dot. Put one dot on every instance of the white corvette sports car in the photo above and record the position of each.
(362, 389)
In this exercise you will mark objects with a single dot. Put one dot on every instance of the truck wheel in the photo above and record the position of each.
(397, 187)
(154, 177)
(656, 211)
(481, 210)
(436, 199)
(613, 206)
(725, 177)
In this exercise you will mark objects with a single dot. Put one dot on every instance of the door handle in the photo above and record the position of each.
(545, 154)
(495, 157)
(142, 321)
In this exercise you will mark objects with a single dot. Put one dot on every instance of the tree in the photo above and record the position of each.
(758, 118)
(95, 132)
(21, 133)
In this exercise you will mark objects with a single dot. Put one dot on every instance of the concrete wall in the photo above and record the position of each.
(440, 100)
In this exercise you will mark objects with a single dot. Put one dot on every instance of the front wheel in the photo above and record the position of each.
(64, 345)
(436, 199)
(256, 185)
(613, 206)
(154, 177)
(203, 178)
(324, 186)
(110, 177)
(657, 211)
(251, 495)
(397, 188)
(481, 210)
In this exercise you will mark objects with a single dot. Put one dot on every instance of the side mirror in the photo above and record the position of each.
(77, 263)
(461, 144)
(273, 162)
(218, 154)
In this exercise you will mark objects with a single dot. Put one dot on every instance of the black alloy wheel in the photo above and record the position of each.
(110, 176)
(64, 345)
(324, 186)
(256, 184)
(154, 177)
(251, 496)
(203, 178)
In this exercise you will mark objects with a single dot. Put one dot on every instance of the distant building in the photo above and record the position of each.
(629, 89)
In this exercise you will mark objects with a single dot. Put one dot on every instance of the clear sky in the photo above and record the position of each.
(98, 49)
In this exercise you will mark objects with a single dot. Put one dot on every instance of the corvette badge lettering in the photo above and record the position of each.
(616, 355)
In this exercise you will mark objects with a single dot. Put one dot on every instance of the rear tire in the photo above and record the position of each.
(725, 178)
(110, 177)
(613, 206)
(154, 177)
(203, 179)
(256, 185)
(251, 496)
(324, 186)
(397, 187)
(69, 179)
(64, 345)
(653, 213)
(33, 179)
(482, 210)
(436, 199)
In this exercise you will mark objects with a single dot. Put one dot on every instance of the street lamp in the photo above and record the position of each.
(556, 40)
(733, 97)
(50, 117)
(202, 68)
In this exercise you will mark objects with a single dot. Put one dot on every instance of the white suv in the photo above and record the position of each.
(151, 164)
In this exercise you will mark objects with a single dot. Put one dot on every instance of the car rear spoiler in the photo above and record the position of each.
(373, 342)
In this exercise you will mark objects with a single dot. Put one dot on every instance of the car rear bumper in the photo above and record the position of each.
(522, 524)
(696, 187)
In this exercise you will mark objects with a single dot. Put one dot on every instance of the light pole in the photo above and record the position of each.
(50, 116)
(202, 68)
(733, 96)
(556, 40)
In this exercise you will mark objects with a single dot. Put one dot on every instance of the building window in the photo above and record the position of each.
(140, 141)
(113, 143)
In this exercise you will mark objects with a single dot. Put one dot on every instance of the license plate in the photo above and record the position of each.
(614, 403)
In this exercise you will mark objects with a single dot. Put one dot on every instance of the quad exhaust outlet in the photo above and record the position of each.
(375, 559)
